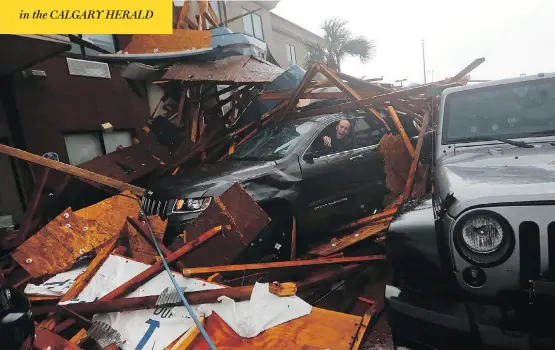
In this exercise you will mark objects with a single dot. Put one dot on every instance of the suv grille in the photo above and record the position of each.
(154, 207)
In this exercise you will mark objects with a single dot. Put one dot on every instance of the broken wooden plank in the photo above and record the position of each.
(72, 170)
(152, 271)
(339, 244)
(293, 238)
(366, 319)
(183, 14)
(149, 302)
(416, 157)
(281, 264)
(467, 69)
(269, 95)
(369, 219)
(401, 130)
(310, 73)
(328, 73)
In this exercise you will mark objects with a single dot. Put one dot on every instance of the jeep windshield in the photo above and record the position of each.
(508, 111)
(274, 142)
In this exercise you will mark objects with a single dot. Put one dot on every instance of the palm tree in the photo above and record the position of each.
(339, 43)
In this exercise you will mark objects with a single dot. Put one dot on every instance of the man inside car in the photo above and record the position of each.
(340, 140)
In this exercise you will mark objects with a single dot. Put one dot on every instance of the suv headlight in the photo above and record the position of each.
(484, 238)
(191, 205)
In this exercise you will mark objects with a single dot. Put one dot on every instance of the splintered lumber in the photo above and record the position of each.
(281, 264)
(468, 69)
(366, 319)
(337, 245)
(416, 157)
(312, 71)
(45, 339)
(369, 219)
(149, 302)
(321, 329)
(402, 131)
(152, 271)
(72, 170)
(350, 92)
(83, 280)
(183, 14)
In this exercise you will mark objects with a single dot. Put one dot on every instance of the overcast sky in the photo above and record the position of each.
(515, 37)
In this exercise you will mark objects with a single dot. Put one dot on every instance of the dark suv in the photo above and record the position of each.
(475, 261)
(286, 170)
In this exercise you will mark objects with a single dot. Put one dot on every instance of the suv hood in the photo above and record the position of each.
(493, 175)
(259, 178)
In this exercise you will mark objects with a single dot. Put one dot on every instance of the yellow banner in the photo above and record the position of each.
(93, 16)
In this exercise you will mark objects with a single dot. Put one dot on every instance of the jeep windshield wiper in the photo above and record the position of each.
(510, 142)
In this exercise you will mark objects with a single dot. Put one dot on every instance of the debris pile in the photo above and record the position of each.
(102, 275)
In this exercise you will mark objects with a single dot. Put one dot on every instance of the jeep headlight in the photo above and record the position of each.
(191, 205)
(484, 238)
(482, 234)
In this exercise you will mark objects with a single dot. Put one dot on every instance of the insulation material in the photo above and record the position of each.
(397, 162)
(158, 328)
(57, 285)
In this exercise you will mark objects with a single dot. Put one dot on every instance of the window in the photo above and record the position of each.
(291, 55)
(345, 143)
(82, 147)
(253, 25)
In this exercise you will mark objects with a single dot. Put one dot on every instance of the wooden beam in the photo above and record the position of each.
(214, 16)
(281, 264)
(351, 93)
(79, 337)
(210, 20)
(183, 14)
(202, 10)
(366, 319)
(416, 157)
(369, 219)
(467, 70)
(401, 130)
(149, 302)
(152, 271)
(312, 71)
(312, 95)
(72, 170)
(191, 23)
(367, 101)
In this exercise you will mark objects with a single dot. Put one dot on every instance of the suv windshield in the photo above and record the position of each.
(504, 111)
(274, 142)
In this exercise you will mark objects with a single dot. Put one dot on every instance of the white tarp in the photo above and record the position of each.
(57, 285)
(157, 328)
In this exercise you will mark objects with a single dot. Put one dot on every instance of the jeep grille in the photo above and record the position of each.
(154, 207)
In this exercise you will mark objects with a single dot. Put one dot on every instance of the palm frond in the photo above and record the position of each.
(359, 47)
(314, 53)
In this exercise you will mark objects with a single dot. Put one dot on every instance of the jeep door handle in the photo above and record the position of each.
(356, 157)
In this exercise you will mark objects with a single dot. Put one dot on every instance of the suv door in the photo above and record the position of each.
(368, 172)
(327, 184)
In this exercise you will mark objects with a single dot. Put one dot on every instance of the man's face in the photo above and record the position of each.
(343, 128)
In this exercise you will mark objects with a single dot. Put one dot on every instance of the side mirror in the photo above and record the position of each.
(308, 157)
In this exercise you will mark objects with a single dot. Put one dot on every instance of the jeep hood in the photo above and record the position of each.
(497, 175)
(261, 179)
